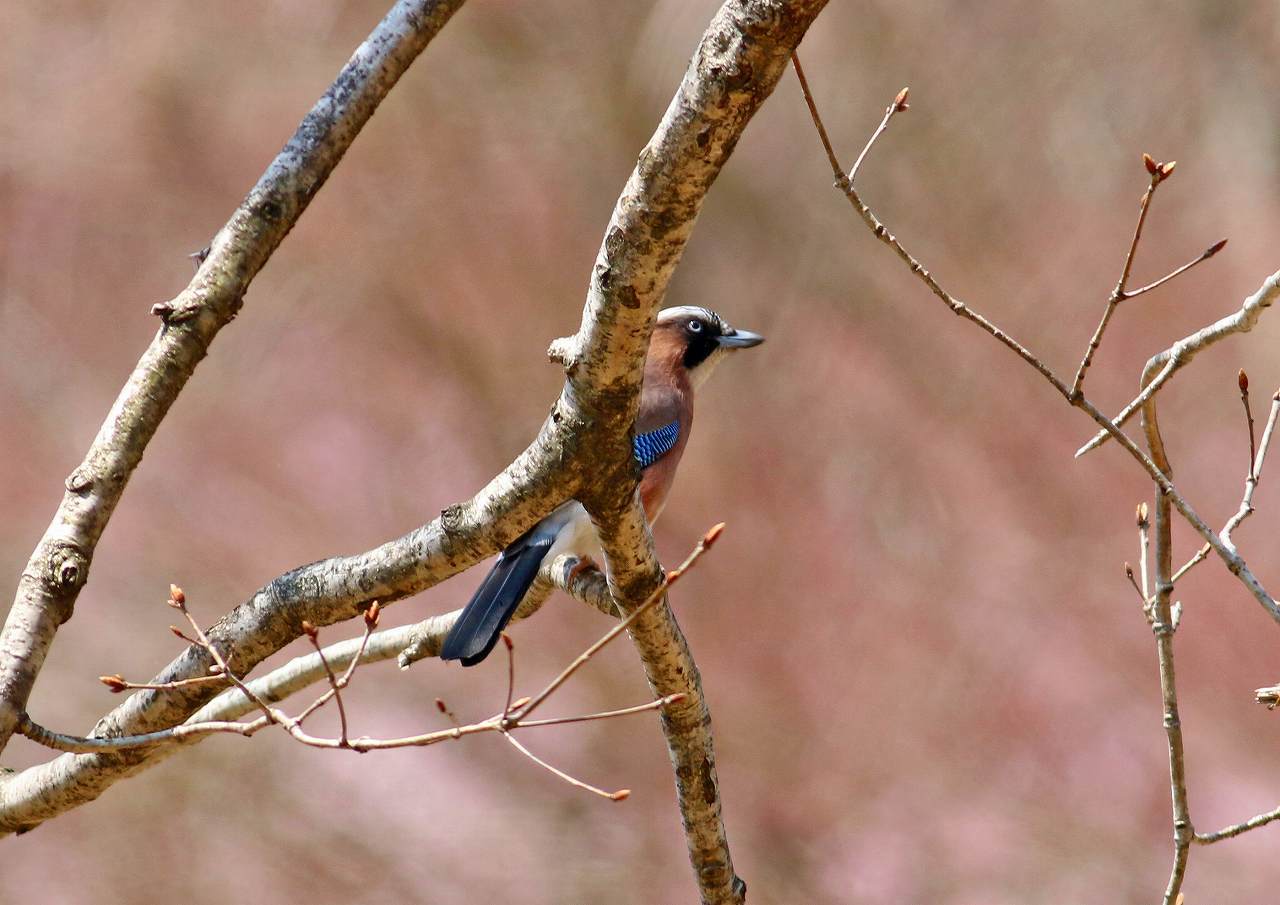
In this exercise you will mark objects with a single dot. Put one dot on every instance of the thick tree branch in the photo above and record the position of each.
(59, 567)
(583, 450)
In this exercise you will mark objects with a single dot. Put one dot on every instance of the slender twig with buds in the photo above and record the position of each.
(1162, 613)
(514, 714)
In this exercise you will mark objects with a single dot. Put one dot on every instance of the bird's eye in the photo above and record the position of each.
(695, 326)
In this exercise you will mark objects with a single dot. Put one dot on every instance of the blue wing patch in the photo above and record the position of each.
(649, 448)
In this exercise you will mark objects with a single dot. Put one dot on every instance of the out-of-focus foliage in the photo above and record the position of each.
(929, 678)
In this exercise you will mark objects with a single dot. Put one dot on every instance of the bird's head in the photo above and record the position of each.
(697, 339)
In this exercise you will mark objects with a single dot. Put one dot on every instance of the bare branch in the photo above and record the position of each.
(657, 595)
(881, 232)
(59, 566)
(1118, 293)
(1204, 256)
(1246, 501)
(1163, 366)
(897, 105)
(620, 795)
(583, 451)
(1236, 829)
(1180, 353)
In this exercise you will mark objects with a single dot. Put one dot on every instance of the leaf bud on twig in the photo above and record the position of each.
(116, 683)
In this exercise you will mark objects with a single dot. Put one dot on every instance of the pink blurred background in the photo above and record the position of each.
(929, 679)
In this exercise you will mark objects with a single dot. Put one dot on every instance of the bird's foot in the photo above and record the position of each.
(584, 563)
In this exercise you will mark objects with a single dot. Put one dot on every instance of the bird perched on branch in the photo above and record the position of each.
(687, 344)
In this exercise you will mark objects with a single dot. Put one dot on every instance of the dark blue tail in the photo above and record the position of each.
(494, 603)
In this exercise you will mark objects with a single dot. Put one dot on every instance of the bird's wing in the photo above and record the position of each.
(658, 425)
(651, 446)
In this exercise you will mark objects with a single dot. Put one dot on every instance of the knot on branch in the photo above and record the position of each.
(565, 351)
(81, 479)
(68, 568)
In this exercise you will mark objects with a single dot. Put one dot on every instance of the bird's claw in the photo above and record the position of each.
(583, 564)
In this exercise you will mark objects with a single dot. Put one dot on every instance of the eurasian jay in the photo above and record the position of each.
(687, 344)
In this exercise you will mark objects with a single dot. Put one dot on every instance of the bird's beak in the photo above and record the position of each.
(740, 339)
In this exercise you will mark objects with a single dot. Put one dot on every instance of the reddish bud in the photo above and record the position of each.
(506, 640)
(177, 631)
(1214, 248)
(310, 630)
(176, 596)
(1150, 164)
(621, 795)
(1242, 381)
(1128, 571)
(1166, 169)
(371, 615)
(713, 535)
(900, 102)
(116, 683)
(1142, 514)
(442, 706)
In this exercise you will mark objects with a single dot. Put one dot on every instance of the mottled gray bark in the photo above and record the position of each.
(59, 567)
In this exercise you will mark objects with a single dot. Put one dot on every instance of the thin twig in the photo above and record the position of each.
(1236, 829)
(620, 795)
(1204, 256)
(604, 714)
(1175, 357)
(1144, 544)
(1118, 292)
(74, 744)
(118, 683)
(898, 105)
(178, 600)
(511, 674)
(836, 169)
(659, 592)
(882, 233)
(1128, 572)
(510, 719)
(1242, 379)
(313, 634)
(1257, 459)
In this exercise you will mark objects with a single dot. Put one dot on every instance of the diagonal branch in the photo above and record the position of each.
(1241, 321)
(59, 567)
(583, 450)
(1161, 367)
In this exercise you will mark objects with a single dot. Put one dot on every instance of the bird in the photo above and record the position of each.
(686, 345)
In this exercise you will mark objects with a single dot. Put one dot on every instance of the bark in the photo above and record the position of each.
(59, 567)
(583, 450)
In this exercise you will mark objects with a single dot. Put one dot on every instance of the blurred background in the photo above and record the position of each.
(929, 678)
